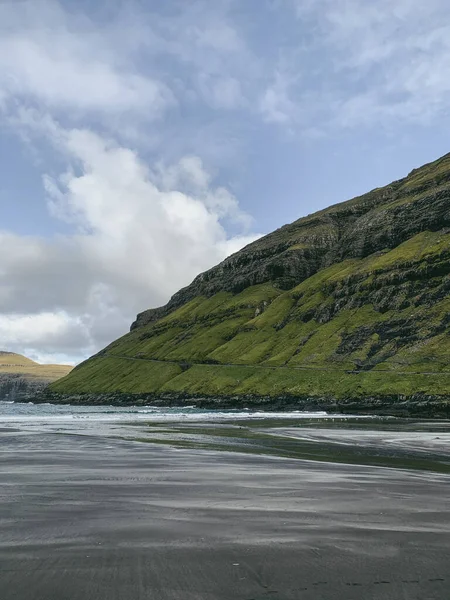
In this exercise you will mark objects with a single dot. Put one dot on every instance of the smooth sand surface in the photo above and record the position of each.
(85, 518)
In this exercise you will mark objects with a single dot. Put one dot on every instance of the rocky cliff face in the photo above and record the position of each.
(21, 379)
(19, 388)
(379, 220)
(350, 302)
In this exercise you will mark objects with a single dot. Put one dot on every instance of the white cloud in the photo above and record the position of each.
(276, 105)
(222, 92)
(138, 233)
(382, 61)
(45, 331)
(51, 76)
(134, 244)
(189, 174)
(61, 61)
(221, 36)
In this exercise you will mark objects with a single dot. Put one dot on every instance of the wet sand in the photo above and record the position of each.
(103, 519)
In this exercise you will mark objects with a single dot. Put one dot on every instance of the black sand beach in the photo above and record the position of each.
(92, 518)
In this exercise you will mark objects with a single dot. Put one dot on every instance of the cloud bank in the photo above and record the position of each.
(138, 237)
(138, 228)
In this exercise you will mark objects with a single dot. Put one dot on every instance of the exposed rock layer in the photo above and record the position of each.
(379, 220)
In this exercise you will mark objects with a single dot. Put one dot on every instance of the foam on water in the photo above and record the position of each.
(384, 437)
(11, 412)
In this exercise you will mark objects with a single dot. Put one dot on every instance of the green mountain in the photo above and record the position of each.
(348, 305)
(21, 378)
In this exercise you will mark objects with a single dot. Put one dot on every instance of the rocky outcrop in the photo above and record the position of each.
(21, 378)
(20, 388)
(379, 220)
(418, 405)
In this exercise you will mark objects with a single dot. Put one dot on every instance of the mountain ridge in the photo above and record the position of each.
(292, 239)
(359, 290)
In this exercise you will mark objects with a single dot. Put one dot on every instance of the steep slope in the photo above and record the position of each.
(347, 304)
(21, 378)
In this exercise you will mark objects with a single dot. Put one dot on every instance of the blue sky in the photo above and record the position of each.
(143, 141)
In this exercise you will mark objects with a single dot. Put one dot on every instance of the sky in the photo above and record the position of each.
(143, 141)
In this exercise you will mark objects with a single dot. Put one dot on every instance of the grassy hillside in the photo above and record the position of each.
(21, 378)
(347, 303)
(16, 364)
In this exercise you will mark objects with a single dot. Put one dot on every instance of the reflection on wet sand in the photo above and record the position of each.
(214, 511)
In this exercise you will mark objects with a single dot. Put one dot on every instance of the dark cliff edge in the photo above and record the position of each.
(415, 406)
(19, 388)
(348, 308)
(381, 219)
(21, 379)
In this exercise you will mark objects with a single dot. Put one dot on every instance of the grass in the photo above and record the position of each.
(108, 374)
(16, 364)
(272, 382)
(433, 172)
(386, 315)
(251, 333)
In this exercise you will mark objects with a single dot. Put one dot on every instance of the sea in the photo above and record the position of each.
(11, 412)
(389, 441)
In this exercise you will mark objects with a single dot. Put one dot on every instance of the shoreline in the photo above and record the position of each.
(419, 405)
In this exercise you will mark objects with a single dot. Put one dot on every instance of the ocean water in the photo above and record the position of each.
(321, 436)
(11, 412)
(112, 420)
